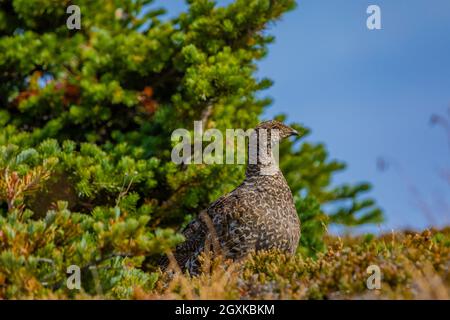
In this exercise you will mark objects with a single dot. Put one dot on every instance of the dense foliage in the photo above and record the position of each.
(86, 118)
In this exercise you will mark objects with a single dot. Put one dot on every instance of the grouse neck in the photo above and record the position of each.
(263, 162)
(262, 170)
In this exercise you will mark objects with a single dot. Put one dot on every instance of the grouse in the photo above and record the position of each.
(258, 215)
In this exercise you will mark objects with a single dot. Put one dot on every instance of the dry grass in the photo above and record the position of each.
(413, 266)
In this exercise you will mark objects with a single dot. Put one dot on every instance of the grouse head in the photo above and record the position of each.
(276, 130)
(263, 157)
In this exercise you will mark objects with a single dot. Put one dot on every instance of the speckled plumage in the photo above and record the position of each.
(257, 215)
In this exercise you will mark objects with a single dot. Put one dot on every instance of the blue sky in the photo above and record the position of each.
(369, 94)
